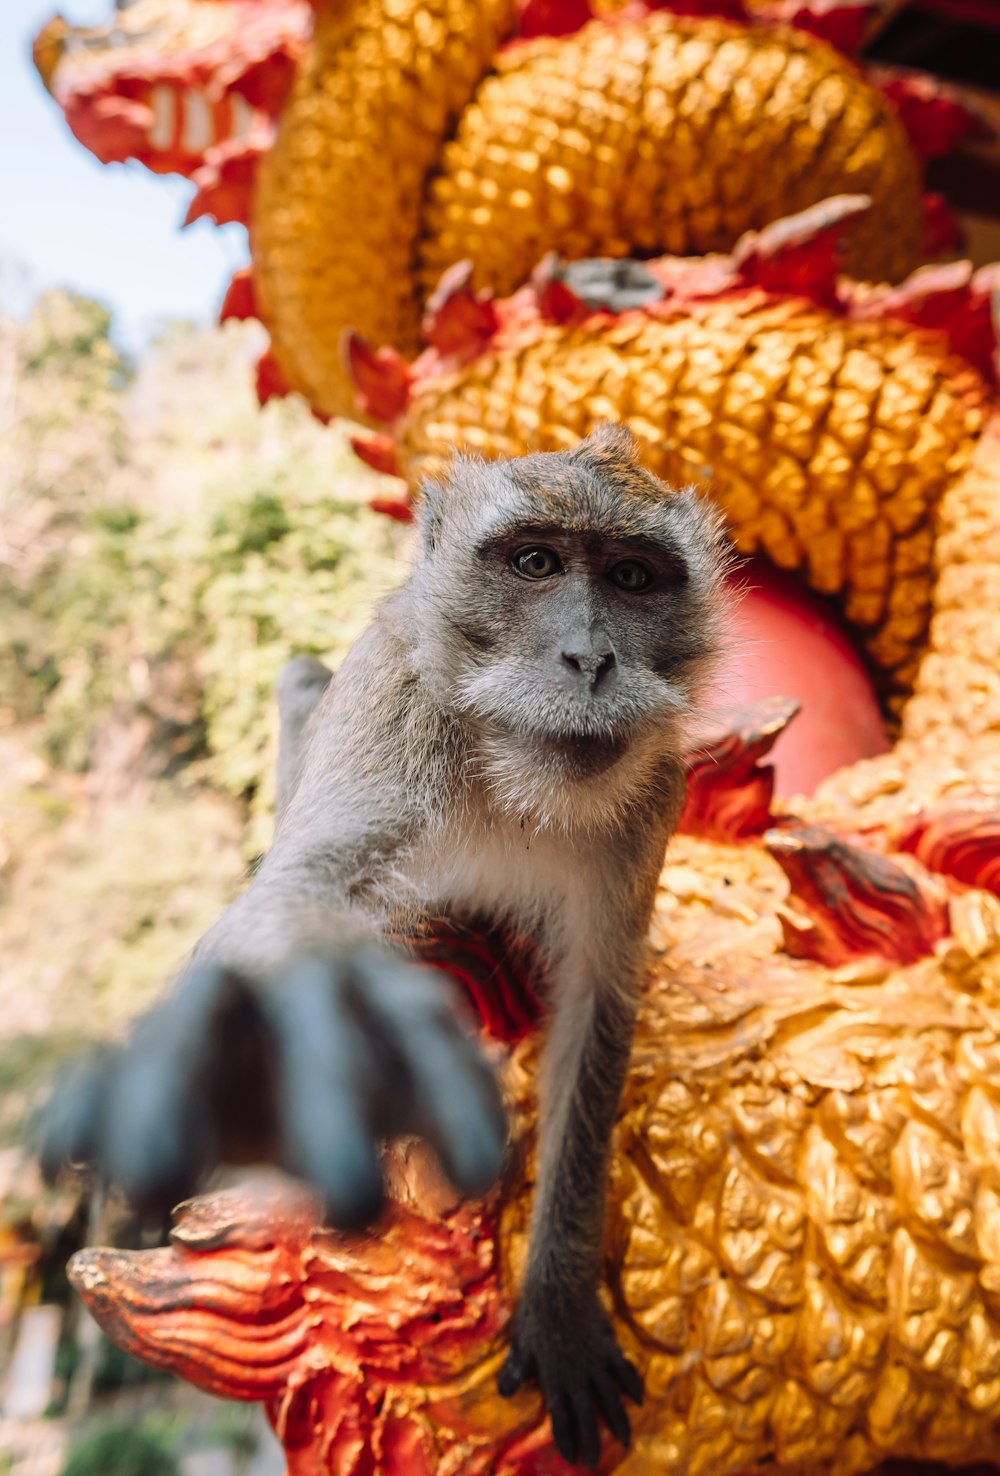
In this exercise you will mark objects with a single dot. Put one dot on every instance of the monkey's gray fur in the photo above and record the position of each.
(506, 738)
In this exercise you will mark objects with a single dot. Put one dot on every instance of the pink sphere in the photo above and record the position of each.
(786, 641)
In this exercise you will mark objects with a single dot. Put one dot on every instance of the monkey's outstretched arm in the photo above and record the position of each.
(295, 1035)
(299, 688)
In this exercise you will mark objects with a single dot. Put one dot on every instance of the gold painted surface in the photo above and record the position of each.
(665, 135)
(802, 1253)
(339, 200)
(805, 1194)
(829, 444)
(948, 755)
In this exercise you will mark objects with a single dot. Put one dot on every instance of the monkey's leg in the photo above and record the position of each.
(300, 685)
(562, 1336)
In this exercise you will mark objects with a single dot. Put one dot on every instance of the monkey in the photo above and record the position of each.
(506, 739)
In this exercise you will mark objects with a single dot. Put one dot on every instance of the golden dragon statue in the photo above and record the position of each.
(371, 144)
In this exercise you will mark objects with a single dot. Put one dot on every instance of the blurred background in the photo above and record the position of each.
(109, 233)
(161, 537)
(165, 543)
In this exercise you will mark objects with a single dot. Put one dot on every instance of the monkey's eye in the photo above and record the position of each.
(631, 576)
(537, 563)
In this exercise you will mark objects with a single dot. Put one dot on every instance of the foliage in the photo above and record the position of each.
(164, 547)
(199, 611)
(122, 1450)
(235, 1426)
(181, 608)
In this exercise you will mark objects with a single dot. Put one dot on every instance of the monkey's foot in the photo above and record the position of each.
(570, 1350)
(311, 1069)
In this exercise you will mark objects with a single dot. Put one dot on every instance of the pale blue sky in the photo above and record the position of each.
(108, 230)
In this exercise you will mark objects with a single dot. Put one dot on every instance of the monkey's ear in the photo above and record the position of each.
(610, 444)
(430, 512)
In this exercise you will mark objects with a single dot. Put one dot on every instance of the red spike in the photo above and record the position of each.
(704, 9)
(393, 507)
(378, 452)
(459, 321)
(952, 299)
(225, 181)
(240, 301)
(935, 116)
(112, 128)
(799, 254)
(500, 972)
(840, 23)
(729, 791)
(271, 382)
(552, 17)
(266, 81)
(848, 902)
(942, 231)
(381, 378)
(554, 299)
(963, 843)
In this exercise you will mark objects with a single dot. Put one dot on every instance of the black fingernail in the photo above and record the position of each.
(563, 1430)
(634, 1388)
(507, 1382)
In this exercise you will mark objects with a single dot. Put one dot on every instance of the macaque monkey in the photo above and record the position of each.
(505, 739)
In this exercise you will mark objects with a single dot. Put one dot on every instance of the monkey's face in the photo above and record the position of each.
(580, 597)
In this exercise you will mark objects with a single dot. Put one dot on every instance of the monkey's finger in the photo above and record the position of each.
(588, 1439)
(515, 1370)
(609, 1402)
(71, 1121)
(325, 1066)
(456, 1100)
(563, 1425)
(159, 1134)
(628, 1376)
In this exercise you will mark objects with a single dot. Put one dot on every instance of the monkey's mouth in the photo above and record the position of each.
(583, 754)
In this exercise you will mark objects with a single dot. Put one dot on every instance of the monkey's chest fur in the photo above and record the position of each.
(533, 849)
(499, 871)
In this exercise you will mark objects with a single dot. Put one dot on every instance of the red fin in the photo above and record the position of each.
(554, 299)
(964, 844)
(393, 507)
(500, 972)
(950, 298)
(378, 452)
(240, 301)
(271, 382)
(936, 117)
(552, 17)
(942, 232)
(847, 902)
(459, 321)
(800, 254)
(729, 791)
(843, 24)
(381, 378)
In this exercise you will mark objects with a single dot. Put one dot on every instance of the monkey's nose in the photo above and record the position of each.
(593, 666)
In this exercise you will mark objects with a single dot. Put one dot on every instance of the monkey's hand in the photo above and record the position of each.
(309, 1069)
(567, 1344)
